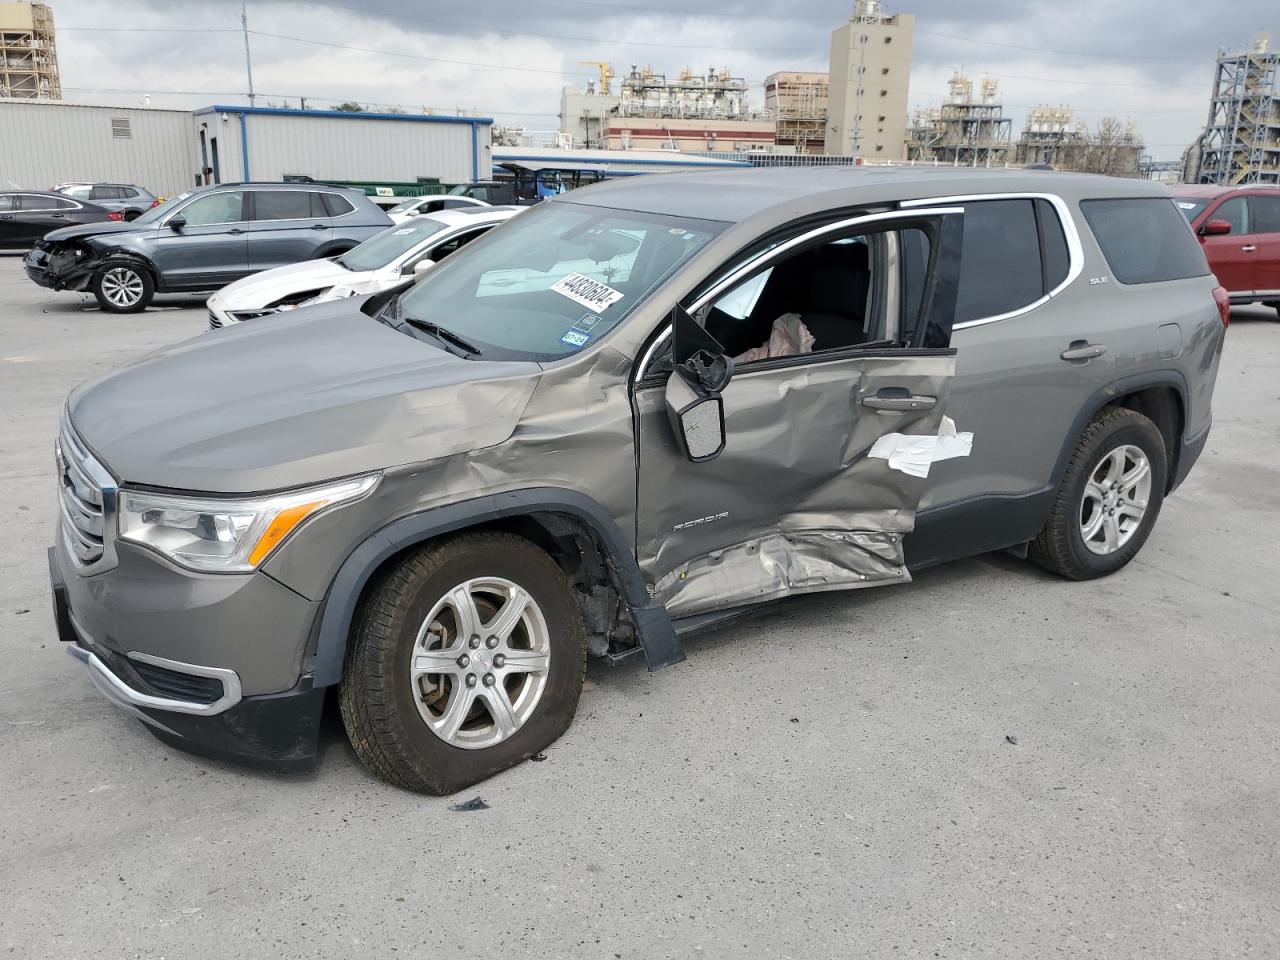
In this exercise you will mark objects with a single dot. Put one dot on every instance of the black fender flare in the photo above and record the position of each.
(1107, 395)
(654, 630)
(130, 256)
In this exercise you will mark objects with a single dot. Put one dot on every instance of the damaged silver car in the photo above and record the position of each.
(634, 412)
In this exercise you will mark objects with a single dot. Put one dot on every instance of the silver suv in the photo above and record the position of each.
(628, 414)
(203, 240)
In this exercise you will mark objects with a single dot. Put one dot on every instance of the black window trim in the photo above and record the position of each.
(75, 204)
(1075, 251)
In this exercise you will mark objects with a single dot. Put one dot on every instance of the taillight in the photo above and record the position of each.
(115, 215)
(156, 202)
(1223, 300)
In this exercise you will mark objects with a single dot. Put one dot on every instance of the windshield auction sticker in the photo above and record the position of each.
(588, 292)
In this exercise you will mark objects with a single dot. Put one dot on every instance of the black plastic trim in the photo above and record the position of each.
(1109, 394)
(972, 527)
(653, 627)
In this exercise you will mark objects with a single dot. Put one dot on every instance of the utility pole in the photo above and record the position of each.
(248, 63)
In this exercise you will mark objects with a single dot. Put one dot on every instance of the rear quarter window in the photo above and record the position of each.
(1145, 239)
(336, 205)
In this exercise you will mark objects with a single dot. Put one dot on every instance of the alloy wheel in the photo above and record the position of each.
(480, 663)
(122, 286)
(1115, 499)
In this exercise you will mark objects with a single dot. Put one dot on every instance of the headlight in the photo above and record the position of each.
(227, 535)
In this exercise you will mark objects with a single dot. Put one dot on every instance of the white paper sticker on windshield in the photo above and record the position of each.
(588, 292)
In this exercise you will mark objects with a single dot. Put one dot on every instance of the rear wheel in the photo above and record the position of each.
(1109, 498)
(123, 288)
(466, 657)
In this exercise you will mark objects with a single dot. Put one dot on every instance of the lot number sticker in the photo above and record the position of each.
(588, 292)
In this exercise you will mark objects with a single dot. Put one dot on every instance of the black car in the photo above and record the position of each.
(27, 215)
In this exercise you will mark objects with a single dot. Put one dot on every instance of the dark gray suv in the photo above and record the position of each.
(629, 413)
(204, 240)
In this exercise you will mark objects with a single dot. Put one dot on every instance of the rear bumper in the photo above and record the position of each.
(1187, 457)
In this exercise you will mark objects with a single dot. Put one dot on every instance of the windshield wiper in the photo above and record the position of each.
(447, 337)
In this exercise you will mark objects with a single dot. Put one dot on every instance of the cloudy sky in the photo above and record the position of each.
(1148, 61)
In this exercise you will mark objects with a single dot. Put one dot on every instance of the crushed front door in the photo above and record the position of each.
(817, 484)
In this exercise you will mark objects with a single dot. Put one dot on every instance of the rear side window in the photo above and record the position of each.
(1000, 266)
(1053, 246)
(281, 205)
(1266, 214)
(1145, 239)
(336, 205)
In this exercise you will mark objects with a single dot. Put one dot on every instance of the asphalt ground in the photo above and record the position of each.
(990, 762)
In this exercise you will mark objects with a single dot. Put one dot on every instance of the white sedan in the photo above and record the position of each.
(400, 252)
(417, 206)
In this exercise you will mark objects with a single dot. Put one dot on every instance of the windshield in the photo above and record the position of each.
(1191, 208)
(392, 243)
(555, 278)
(406, 205)
(162, 211)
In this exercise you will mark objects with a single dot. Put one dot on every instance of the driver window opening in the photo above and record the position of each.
(848, 293)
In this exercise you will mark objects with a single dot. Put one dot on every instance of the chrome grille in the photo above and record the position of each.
(86, 501)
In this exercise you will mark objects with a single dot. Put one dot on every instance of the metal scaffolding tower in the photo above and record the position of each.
(28, 54)
(1241, 143)
(964, 131)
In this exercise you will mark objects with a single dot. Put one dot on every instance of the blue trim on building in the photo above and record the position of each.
(475, 154)
(344, 115)
(244, 148)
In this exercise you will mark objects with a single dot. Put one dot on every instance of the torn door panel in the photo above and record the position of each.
(773, 514)
(781, 564)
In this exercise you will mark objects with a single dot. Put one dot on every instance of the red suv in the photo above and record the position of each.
(1239, 228)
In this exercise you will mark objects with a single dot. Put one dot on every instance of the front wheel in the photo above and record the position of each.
(123, 288)
(466, 658)
(1109, 498)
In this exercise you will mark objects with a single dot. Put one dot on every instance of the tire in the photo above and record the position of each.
(123, 288)
(1107, 451)
(386, 704)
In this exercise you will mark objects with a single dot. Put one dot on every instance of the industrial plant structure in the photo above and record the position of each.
(691, 111)
(28, 52)
(1241, 142)
(1052, 136)
(964, 131)
(797, 103)
(870, 71)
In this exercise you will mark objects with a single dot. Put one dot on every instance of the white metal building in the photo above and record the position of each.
(269, 143)
(44, 142)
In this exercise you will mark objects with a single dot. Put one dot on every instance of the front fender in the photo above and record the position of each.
(653, 627)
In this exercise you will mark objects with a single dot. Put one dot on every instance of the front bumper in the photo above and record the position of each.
(58, 269)
(209, 664)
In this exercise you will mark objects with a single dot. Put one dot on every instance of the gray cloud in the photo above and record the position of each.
(1148, 61)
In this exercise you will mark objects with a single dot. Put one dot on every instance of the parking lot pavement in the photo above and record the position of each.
(990, 762)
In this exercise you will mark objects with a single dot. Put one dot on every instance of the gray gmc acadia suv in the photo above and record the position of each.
(632, 412)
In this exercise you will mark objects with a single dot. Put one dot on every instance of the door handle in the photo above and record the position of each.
(1249, 248)
(6, 216)
(1083, 350)
(318, 226)
(898, 404)
(235, 231)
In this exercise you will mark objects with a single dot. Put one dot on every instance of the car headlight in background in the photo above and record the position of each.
(225, 534)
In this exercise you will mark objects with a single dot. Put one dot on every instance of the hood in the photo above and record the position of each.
(326, 392)
(257, 290)
(94, 229)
